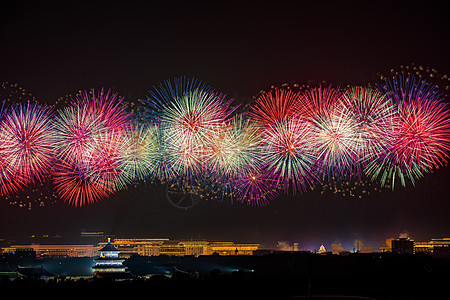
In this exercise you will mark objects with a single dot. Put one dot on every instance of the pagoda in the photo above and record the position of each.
(322, 250)
(109, 264)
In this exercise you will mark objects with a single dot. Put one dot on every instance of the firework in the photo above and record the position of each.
(373, 117)
(189, 138)
(92, 142)
(334, 131)
(422, 132)
(289, 153)
(8, 184)
(166, 93)
(315, 104)
(189, 116)
(256, 187)
(274, 106)
(90, 116)
(233, 147)
(139, 159)
(27, 137)
(232, 150)
(80, 183)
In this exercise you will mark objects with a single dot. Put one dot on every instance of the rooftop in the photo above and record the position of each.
(109, 248)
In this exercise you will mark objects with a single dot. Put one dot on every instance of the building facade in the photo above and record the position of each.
(154, 247)
(437, 247)
(55, 250)
(143, 247)
(402, 246)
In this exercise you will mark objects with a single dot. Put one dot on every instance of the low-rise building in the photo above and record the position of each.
(432, 246)
(154, 247)
(143, 247)
(403, 246)
(55, 250)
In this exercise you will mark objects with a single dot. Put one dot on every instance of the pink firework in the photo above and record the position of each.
(256, 187)
(90, 116)
(91, 143)
(9, 182)
(422, 132)
(27, 138)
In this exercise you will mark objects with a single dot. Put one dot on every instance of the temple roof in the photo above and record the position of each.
(109, 247)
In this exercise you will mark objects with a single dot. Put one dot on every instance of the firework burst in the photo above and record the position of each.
(373, 117)
(422, 132)
(189, 116)
(333, 130)
(27, 137)
(80, 183)
(256, 187)
(288, 152)
(274, 106)
(139, 159)
(232, 150)
(91, 142)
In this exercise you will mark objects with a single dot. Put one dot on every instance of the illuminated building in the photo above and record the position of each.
(109, 264)
(154, 247)
(142, 247)
(402, 246)
(322, 249)
(196, 248)
(230, 248)
(437, 247)
(55, 250)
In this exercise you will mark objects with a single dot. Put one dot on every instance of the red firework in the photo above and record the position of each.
(81, 183)
(274, 106)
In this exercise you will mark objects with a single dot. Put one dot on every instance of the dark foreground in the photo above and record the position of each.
(273, 276)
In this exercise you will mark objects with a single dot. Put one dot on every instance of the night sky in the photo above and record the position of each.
(56, 48)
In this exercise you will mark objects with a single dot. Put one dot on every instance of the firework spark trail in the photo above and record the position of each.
(88, 117)
(256, 187)
(231, 151)
(27, 142)
(91, 144)
(316, 103)
(138, 161)
(80, 183)
(8, 184)
(289, 153)
(274, 106)
(165, 93)
(189, 114)
(333, 130)
(190, 139)
(374, 119)
(422, 132)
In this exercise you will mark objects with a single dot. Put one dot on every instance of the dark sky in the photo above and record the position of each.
(53, 48)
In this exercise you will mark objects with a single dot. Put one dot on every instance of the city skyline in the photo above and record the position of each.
(53, 50)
